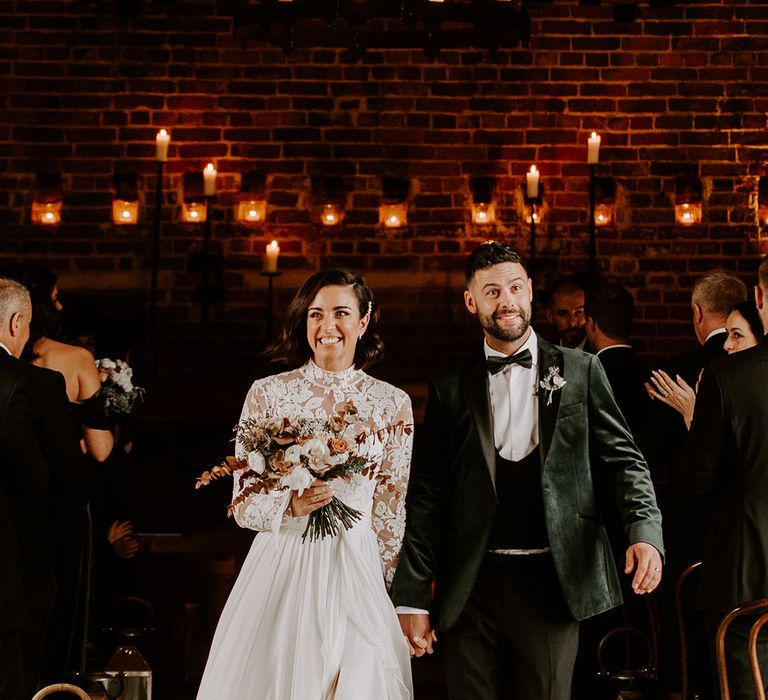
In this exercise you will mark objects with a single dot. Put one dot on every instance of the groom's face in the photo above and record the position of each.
(500, 297)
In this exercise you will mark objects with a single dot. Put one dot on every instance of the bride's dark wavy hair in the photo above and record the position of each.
(292, 347)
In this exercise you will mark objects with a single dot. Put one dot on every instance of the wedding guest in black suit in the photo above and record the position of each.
(726, 468)
(39, 456)
(504, 515)
(566, 312)
(713, 296)
(609, 310)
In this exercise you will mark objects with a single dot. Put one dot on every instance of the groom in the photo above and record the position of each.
(523, 448)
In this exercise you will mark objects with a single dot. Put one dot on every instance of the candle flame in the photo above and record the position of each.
(533, 169)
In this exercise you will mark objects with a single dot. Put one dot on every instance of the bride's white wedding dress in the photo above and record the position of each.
(312, 620)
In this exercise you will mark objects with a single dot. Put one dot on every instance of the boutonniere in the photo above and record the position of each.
(552, 382)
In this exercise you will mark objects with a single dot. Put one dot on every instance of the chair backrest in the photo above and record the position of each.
(757, 676)
(680, 613)
(625, 674)
(61, 688)
(722, 629)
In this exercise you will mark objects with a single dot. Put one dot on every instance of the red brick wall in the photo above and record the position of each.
(683, 89)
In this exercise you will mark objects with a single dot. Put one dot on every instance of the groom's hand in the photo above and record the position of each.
(644, 559)
(418, 633)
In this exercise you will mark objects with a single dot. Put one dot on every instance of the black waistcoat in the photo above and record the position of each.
(519, 522)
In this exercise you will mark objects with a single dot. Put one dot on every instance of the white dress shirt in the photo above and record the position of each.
(5, 347)
(513, 403)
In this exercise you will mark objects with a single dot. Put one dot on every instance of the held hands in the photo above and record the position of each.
(673, 392)
(419, 635)
(644, 559)
(316, 496)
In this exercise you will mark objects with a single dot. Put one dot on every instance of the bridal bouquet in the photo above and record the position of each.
(285, 455)
(117, 387)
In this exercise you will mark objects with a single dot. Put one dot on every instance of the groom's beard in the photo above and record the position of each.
(507, 333)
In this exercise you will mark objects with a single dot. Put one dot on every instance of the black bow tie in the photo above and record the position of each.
(496, 364)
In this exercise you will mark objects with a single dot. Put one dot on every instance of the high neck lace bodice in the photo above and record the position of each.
(314, 393)
(344, 378)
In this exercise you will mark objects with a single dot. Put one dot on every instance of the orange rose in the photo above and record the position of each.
(338, 445)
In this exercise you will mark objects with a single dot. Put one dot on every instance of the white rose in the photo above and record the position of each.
(293, 454)
(256, 462)
(123, 381)
(297, 479)
(106, 363)
(317, 453)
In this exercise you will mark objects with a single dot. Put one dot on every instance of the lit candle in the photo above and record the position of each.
(330, 215)
(162, 140)
(532, 183)
(593, 149)
(209, 180)
(270, 258)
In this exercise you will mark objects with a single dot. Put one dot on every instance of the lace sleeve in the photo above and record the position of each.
(258, 511)
(391, 486)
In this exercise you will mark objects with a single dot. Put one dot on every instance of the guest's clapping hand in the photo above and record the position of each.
(419, 635)
(673, 392)
(319, 494)
(119, 536)
(644, 559)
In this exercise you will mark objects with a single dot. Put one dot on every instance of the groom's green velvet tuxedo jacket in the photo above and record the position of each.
(588, 458)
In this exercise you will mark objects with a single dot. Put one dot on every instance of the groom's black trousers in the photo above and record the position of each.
(515, 639)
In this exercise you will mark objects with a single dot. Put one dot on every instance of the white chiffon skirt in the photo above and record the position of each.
(309, 621)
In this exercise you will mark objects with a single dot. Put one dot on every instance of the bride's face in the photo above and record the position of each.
(334, 326)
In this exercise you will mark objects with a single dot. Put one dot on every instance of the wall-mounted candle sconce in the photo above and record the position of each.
(332, 215)
(329, 194)
(125, 205)
(47, 200)
(393, 210)
(483, 206)
(193, 205)
(605, 201)
(252, 205)
(46, 213)
(688, 201)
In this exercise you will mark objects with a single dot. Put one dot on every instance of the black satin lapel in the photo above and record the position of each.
(478, 397)
(548, 357)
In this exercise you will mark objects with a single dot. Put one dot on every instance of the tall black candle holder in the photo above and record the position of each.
(155, 265)
(533, 203)
(270, 275)
(205, 288)
(591, 224)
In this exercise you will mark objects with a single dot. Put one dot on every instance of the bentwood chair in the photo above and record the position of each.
(757, 676)
(722, 672)
(61, 688)
(680, 588)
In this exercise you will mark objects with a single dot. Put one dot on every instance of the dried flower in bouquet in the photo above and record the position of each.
(280, 454)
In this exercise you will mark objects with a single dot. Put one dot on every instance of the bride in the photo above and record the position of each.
(311, 619)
